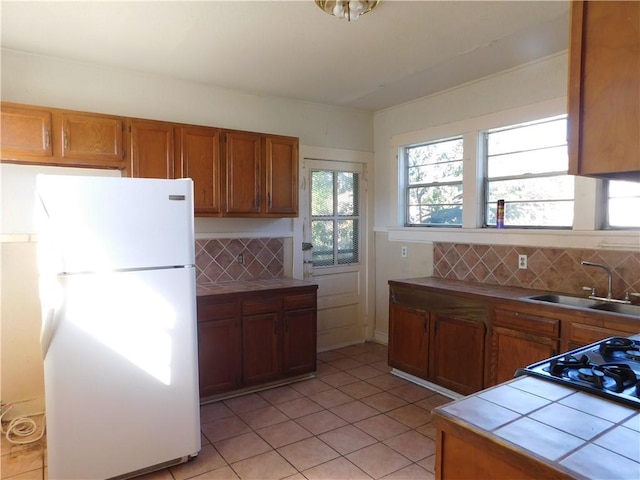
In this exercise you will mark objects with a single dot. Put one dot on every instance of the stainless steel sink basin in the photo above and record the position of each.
(623, 308)
(568, 300)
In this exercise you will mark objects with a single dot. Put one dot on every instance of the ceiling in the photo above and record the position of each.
(400, 51)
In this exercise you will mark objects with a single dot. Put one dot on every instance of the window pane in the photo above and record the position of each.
(321, 193)
(624, 204)
(528, 136)
(526, 166)
(435, 214)
(347, 193)
(322, 240)
(435, 162)
(347, 245)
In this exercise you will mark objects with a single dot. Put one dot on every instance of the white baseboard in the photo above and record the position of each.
(431, 386)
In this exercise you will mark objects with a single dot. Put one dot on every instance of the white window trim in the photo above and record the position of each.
(587, 205)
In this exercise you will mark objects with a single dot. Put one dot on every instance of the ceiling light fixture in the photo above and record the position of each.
(350, 10)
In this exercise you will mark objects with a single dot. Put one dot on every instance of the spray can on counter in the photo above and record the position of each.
(500, 214)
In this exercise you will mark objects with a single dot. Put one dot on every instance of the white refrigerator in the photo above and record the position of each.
(119, 339)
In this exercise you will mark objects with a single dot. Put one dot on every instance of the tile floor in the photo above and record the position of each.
(353, 421)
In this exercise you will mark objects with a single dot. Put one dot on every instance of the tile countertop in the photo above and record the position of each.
(579, 434)
(205, 289)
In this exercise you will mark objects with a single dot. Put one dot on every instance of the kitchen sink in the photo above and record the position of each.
(623, 308)
(566, 300)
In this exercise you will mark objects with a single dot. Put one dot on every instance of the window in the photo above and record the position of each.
(623, 204)
(526, 166)
(334, 218)
(434, 183)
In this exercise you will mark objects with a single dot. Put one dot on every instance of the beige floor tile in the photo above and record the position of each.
(386, 381)
(412, 472)
(325, 369)
(280, 394)
(208, 459)
(352, 350)
(298, 408)
(214, 411)
(224, 428)
(246, 403)
(378, 460)
(308, 453)
(381, 427)
(283, 434)
(321, 422)
(370, 357)
(412, 392)
(224, 473)
(339, 379)
(309, 387)
(354, 411)
(339, 468)
(330, 398)
(410, 415)
(429, 463)
(345, 363)
(428, 430)
(433, 401)
(412, 445)
(360, 389)
(242, 447)
(263, 417)
(384, 401)
(347, 439)
(266, 466)
(382, 365)
(364, 372)
(330, 355)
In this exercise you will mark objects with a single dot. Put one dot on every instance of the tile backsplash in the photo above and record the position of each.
(551, 269)
(217, 260)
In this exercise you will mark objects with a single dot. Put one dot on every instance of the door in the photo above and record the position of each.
(335, 224)
(242, 172)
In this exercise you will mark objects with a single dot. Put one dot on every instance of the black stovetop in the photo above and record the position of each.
(609, 368)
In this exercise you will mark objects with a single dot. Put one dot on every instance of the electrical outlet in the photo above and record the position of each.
(404, 251)
(241, 259)
(522, 262)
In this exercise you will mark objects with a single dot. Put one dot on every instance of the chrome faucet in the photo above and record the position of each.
(609, 275)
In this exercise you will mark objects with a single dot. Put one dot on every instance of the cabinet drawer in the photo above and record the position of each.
(260, 304)
(549, 327)
(585, 334)
(216, 310)
(296, 302)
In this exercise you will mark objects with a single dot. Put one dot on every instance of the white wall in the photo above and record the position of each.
(53, 82)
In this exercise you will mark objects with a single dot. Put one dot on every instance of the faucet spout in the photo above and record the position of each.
(609, 275)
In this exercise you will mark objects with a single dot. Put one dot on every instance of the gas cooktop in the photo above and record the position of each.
(609, 368)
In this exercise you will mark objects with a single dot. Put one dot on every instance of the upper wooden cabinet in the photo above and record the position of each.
(261, 175)
(604, 90)
(198, 153)
(25, 134)
(49, 136)
(152, 149)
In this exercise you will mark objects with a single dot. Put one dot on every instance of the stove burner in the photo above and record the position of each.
(558, 366)
(632, 354)
(615, 344)
(609, 376)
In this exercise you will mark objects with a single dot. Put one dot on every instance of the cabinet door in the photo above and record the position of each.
(457, 361)
(151, 149)
(198, 150)
(511, 349)
(408, 340)
(25, 134)
(281, 176)
(299, 341)
(579, 334)
(260, 359)
(242, 173)
(93, 139)
(604, 89)
(219, 361)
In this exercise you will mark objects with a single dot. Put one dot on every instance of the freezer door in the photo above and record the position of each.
(89, 224)
(121, 381)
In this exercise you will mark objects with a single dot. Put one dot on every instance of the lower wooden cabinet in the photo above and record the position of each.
(409, 340)
(577, 334)
(457, 361)
(249, 339)
(519, 339)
